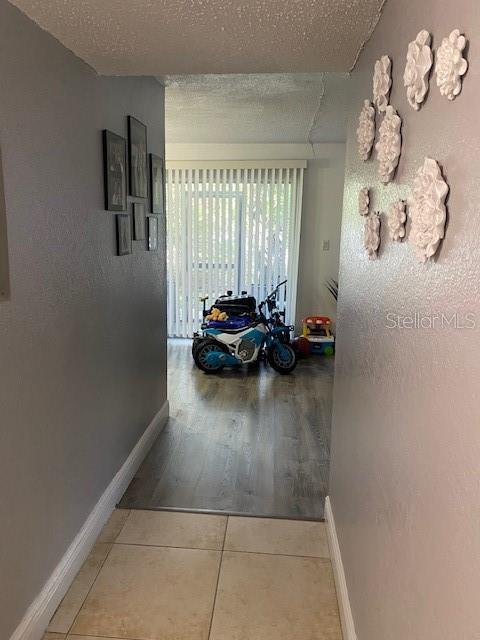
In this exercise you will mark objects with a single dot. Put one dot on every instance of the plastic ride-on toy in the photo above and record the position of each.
(235, 332)
(317, 336)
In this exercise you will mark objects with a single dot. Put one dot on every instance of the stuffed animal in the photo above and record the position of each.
(216, 314)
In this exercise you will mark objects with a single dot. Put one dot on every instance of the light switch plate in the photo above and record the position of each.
(326, 245)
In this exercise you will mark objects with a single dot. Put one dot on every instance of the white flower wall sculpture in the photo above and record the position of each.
(382, 82)
(450, 66)
(419, 63)
(371, 234)
(389, 144)
(366, 130)
(427, 209)
(396, 220)
(363, 201)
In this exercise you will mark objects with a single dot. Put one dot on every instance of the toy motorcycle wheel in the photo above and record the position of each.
(282, 358)
(207, 356)
(197, 342)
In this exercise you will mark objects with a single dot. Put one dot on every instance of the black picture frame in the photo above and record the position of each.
(124, 234)
(157, 182)
(152, 227)
(137, 155)
(138, 220)
(114, 171)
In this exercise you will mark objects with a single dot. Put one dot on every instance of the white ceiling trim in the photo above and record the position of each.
(252, 152)
(236, 164)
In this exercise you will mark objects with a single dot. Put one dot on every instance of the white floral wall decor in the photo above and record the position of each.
(450, 65)
(427, 210)
(389, 144)
(396, 219)
(366, 130)
(371, 234)
(419, 63)
(363, 201)
(382, 82)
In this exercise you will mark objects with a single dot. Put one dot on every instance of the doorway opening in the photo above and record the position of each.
(245, 213)
(230, 226)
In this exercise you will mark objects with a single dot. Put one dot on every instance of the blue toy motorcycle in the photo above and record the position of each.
(245, 338)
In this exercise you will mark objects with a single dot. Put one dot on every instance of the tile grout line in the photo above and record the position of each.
(282, 555)
(88, 593)
(164, 546)
(260, 553)
(72, 636)
(123, 525)
(98, 572)
(225, 533)
(218, 579)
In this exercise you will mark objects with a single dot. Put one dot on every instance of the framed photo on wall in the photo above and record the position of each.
(156, 184)
(115, 171)
(138, 221)
(124, 234)
(152, 222)
(137, 153)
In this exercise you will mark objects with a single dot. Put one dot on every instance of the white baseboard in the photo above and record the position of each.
(346, 618)
(38, 615)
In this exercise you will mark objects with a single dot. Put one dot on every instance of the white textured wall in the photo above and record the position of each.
(321, 220)
(406, 428)
(82, 336)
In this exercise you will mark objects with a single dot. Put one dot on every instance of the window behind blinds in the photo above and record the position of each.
(230, 227)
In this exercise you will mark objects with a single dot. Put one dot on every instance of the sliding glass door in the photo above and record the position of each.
(229, 228)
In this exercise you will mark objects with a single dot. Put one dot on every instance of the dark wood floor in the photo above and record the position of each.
(246, 441)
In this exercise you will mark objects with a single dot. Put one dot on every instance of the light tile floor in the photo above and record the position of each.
(158, 575)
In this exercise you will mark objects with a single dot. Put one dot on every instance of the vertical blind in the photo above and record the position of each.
(230, 226)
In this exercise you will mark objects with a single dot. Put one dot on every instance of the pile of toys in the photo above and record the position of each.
(229, 312)
(317, 336)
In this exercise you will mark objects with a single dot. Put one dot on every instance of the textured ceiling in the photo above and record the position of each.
(256, 108)
(158, 37)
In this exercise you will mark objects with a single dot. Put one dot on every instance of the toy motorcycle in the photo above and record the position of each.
(245, 338)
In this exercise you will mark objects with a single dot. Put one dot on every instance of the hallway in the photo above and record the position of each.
(156, 155)
(178, 576)
(248, 441)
